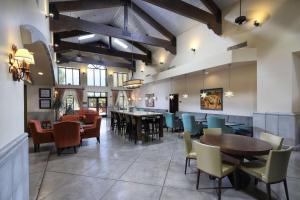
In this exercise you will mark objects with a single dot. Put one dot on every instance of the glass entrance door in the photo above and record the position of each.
(98, 104)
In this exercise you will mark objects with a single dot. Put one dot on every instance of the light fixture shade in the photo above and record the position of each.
(229, 94)
(24, 55)
(185, 96)
(133, 83)
(171, 96)
(203, 95)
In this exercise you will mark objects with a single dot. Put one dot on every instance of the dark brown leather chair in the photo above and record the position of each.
(92, 130)
(39, 135)
(66, 134)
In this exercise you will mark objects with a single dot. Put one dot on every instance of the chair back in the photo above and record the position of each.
(70, 118)
(190, 124)
(187, 142)
(208, 159)
(35, 127)
(66, 134)
(277, 165)
(170, 121)
(274, 140)
(212, 131)
(218, 122)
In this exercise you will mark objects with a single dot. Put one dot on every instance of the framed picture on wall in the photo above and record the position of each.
(45, 93)
(149, 100)
(213, 99)
(45, 103)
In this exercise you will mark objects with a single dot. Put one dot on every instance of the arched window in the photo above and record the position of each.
(96, 75)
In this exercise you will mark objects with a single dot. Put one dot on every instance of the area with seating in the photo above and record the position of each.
(149, 99)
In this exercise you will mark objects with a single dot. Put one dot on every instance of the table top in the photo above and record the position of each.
(138, 113)
(204, 122)
(237, 145)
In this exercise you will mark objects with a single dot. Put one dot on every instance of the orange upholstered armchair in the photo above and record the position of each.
(66, 134)
(93, 130)
(71, 118)
(39, 135)
(87, 115)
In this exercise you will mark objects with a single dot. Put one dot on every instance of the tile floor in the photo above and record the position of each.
(118, 169)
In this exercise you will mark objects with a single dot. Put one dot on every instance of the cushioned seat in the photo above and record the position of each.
(274, 140)
(190, 125)
(218, 122)
(212, 131)
(190, 154)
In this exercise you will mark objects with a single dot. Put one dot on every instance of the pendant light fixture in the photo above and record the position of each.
(229, 93)
(185, 95)
(132, 83)
(203, 94)
(240, 20)
(171, 96)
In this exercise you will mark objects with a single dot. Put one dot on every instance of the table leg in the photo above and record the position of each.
(138, 128)
(161, 126)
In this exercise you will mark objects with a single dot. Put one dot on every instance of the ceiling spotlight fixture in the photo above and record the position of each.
(161, 62)
(193, 50)
(256, 23)
(84, 37)
(40, 73)
(240, 20)
(120, 43)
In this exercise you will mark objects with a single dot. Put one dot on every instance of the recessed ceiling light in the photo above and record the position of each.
(120, 43)
(40, 73)
(84, 37)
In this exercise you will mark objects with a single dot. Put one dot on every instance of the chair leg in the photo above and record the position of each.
(98, 139)
(75, 149)
(198, 179)
(269, 191)
(58, 151)
(286, 189)
(255, 181)
(35, 148)
(186, 162)
(219, 188)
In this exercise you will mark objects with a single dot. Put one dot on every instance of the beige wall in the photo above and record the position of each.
(243, 83)
(13, 14)
(275, 42)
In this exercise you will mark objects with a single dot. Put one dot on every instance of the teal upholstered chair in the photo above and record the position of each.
(190, 125)
(170, 120)
(218, 122)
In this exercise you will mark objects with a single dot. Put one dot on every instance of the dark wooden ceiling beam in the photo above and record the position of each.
(68, 6)
(65, 46)
(87, 60)
(66, 23)
(155, 24)
(213, 8)
(190, 11)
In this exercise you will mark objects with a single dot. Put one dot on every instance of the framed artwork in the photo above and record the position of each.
(45, 93)
(213, 99)
(149, 100)
(45, 103)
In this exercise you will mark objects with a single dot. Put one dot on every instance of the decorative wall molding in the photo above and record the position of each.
(14, 169)
(286, 125)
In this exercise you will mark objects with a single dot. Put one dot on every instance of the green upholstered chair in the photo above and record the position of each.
(209, 160)
(218, 122)
(212, 131)
(274, 140)
(190, 154)
(190, 125)
(170, 120)
(272, 171)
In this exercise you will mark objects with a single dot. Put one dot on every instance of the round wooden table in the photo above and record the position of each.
(237, 145)
(235, 148)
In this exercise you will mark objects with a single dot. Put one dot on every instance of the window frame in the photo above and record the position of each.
(120, 74)
(73, 69)
(94, 79)
(94, 94)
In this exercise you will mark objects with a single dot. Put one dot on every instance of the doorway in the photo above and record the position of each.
(173, 103)
(98, 104)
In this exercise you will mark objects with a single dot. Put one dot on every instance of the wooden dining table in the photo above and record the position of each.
(139, 115)
(235, 148)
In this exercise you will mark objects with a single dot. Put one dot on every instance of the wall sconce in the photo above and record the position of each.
(142, 70)
(193, 50)
(161, 62)
(19, 64)
(111, 73)
(256, 23)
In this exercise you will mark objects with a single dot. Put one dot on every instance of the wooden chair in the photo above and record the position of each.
(190, 154)
(271, 172)
(209, 160)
